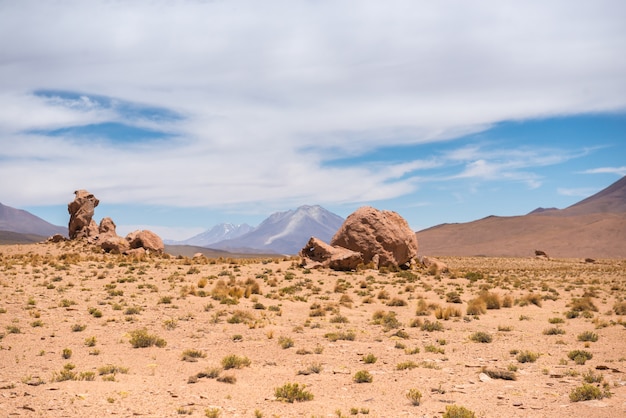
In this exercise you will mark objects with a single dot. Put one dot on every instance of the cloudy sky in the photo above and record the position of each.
(181, 115)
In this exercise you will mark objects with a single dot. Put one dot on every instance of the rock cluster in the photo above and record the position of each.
(82, 226)
(368, 236)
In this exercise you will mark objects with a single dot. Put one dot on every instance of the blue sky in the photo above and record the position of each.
(182, 115)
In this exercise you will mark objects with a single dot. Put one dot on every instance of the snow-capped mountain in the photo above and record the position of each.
(218, 233)
(287, 232)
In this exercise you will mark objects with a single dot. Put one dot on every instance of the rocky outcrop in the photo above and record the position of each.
(56, 238)
(431, 263)
(106, 228)
(316, 253)
(114, 245)
(382, 237)
(147, 240)
(82, 226)
(81, 212)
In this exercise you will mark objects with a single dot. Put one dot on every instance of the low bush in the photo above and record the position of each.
(363, 376)
(579, 356)
(588, 336)
(527, 357)
(588, 392)
(455, 411)
(481, 337)
(415, 396)
(140, 338)
(234, 361)
(292, 392)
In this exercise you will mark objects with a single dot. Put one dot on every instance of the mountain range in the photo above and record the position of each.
(595, 227)
(592, 228)
(286, 232)
(23, 222)
(218, 233)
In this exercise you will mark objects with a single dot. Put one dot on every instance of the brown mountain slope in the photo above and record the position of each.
(23, 222)
(594, 227)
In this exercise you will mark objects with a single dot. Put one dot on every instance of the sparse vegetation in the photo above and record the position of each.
(363, 376)
(481, 337)
(579, 356)
(234, 361)
(454, 411)
(414, 396)
(527, 357)
(419, 322)
(292, 392)
(140, 338)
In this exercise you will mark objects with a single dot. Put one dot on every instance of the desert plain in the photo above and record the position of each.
(85, 333)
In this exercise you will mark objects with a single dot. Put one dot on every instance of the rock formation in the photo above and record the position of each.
(82, 226)
(432, 263)
(81, 212)
(382, 237)
(368, 236)
(114, 244)
(106, 228)
(147, 240)
(316, 253)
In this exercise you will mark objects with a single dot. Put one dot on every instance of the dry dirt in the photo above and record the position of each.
(68, 313)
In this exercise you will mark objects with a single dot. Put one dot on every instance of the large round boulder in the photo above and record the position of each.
(147, 240)
(382, 237)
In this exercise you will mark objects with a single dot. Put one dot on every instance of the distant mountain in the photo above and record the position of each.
(609, 200)
(218, 233)
(23, 222)
(541, 210)
(286, 232)
(594, 227)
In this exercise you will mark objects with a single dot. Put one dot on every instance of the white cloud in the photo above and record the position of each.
(269, 91)
(620, 171)
(576, 192)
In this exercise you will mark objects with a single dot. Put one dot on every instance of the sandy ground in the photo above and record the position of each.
(70, 313)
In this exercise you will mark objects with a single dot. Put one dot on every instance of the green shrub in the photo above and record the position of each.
(292, 392)
(579, 356)
(481, 337)
(192, 355)
(432, 326)
(527, 357)
(387, 319)
(141, 339)
(415, 396)
(233, 361)
(363, 376)
(406, 365)
(556, 320)
(285, 342)
(588, 336)
(553, 331)
(587, 392)
(454, 411)
(369, 358)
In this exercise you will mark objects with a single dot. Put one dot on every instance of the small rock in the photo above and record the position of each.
(484, 378)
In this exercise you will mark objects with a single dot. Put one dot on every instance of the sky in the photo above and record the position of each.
(181, 115)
